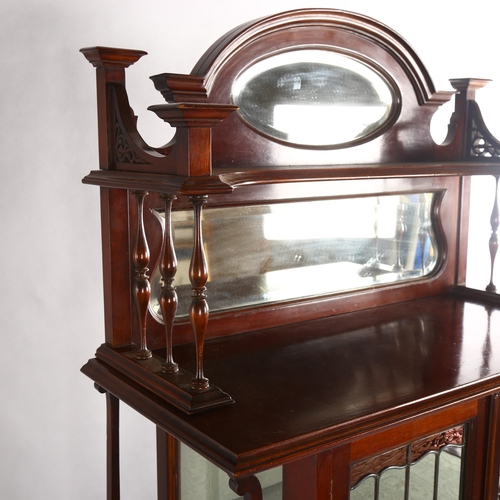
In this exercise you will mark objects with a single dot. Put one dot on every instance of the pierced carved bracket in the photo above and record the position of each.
(123, 152)
(480, 145)
(481, 142)
(128, 146)
(468, 137)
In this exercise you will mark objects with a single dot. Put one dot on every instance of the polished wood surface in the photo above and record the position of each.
(168, 298)
(198, 276)
(247, 487)
(142, 286)
(168, 466)
(317, 383)
(303, 387)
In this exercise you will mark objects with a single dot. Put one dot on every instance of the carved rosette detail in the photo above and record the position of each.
(480, 146)
(123, 152)
(453, 436)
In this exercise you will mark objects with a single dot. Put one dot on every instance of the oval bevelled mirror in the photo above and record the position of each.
(315, 98)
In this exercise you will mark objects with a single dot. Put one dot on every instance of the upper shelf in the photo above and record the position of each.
(307, 88)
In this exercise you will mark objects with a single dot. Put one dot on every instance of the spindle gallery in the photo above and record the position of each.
(284, 282)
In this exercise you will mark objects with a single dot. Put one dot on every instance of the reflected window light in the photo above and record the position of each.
(319, 98)
(342, 122)
(345, 218)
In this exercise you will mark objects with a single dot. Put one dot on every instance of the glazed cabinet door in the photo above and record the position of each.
(450, 454)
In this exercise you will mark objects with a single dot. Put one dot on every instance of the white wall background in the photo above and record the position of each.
(52, 427)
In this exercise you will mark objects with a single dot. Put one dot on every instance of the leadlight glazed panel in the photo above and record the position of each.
(428, 463)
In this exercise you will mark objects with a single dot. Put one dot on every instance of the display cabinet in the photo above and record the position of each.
(284, 282)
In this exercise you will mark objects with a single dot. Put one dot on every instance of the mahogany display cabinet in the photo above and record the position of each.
(284, 282)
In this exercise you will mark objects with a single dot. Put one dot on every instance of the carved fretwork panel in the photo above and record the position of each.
(373, 465)
(480, 145)
(123, 152)
(407, 455)
(452, 436)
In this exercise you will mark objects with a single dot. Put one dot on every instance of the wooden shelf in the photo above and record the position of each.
(311, 384)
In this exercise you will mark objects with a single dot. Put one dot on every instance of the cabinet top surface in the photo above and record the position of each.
(309, 384)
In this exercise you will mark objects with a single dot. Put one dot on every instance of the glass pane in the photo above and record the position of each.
(449, 476)
(365, 490)
(392, 484)
(422, 478)
(435, 475)
(271, 253)
(314, 98)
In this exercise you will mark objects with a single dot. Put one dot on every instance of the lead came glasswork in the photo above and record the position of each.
(315, 98)
(428, 469)
(434, 476)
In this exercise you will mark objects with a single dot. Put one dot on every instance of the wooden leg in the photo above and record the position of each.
(318, 477)
(493, 439)
(310, 477)
(247, 487)
(168, 466)
(112, 447)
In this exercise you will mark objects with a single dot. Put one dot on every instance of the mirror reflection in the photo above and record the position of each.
(314, 98)
(285, 251)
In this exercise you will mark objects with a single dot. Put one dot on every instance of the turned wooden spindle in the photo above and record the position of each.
(168, 297)
(493, 243)
(198, 275)
(400, 231)
(376, 263)
(142, 287)
(487, 348)
(423, 231)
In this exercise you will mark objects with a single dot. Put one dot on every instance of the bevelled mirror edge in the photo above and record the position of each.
(316, 97)
(380, 240)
